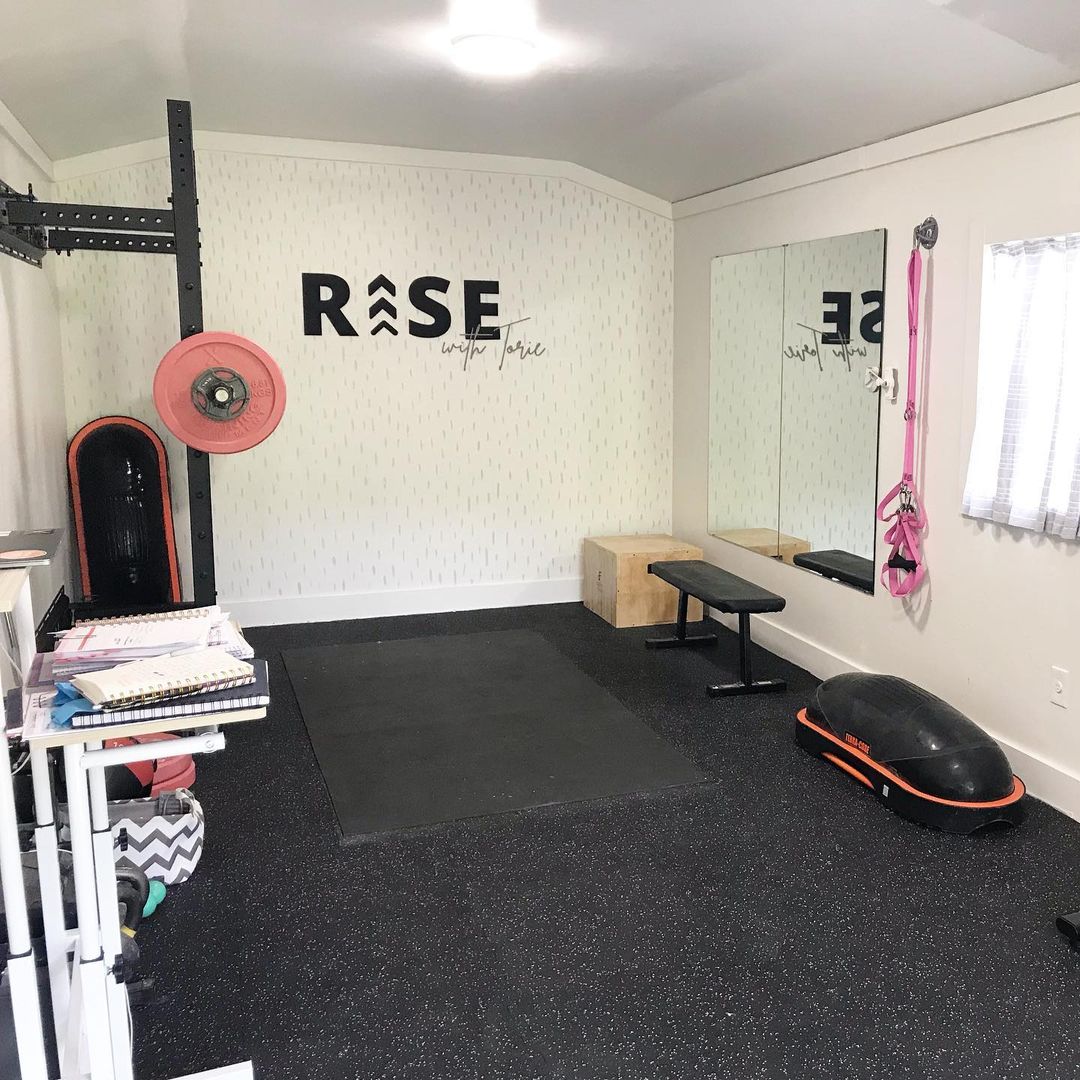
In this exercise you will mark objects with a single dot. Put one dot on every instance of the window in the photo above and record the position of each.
(1025, 456)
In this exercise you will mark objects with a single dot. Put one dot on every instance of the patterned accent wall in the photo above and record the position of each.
(396, 467)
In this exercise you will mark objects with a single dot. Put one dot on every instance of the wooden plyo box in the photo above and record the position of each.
(770, 542)
(619, 587)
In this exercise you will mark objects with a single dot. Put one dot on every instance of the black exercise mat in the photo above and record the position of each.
(441, 728)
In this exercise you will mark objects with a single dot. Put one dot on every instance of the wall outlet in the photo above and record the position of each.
(1059, 687)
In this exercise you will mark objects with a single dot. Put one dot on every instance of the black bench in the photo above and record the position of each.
(839, 566)
(725, 592)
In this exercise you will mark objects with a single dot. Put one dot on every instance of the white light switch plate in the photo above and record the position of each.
(1059, 687)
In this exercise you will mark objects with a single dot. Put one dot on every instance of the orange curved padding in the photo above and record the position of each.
(850, 770)
(166, 497)
(894, 778)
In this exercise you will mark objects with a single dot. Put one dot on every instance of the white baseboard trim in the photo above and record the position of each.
(1051, 783)
(276, 610)
(792, 647)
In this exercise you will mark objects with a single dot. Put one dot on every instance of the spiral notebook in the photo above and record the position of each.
(213, 612)
(255, 695)
(144, 681)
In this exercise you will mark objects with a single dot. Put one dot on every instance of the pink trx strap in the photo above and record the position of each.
(904, 570)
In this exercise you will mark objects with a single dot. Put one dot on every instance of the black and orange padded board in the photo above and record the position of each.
(119, 477)
(917, 754)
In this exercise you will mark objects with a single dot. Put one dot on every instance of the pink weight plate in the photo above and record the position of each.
(219, 392)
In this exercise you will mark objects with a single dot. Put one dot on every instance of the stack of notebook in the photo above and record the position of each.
(187, 684)
(104, 643)
(158, 667)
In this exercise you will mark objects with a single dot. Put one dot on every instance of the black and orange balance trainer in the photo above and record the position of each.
(916, 753)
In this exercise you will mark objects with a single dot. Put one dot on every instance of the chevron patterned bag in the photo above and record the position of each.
(163, 836)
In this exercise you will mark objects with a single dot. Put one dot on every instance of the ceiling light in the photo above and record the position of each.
(494, 37)
(494, 54)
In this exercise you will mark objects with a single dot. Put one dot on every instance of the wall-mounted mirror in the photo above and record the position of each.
(793, 430)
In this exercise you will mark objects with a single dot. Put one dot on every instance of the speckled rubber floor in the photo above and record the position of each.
(776, 922)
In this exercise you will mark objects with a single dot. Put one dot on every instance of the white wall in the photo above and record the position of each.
(1000, 606)
(33, 438)
(397, 480)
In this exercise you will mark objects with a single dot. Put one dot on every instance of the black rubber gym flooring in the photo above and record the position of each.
(774, 922)
(436, 729)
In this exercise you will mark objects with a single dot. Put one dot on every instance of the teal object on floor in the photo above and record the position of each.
(157, 894)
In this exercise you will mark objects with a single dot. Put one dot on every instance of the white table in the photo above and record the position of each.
(90, 1006)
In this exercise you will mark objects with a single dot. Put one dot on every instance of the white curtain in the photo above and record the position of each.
(1025, 456)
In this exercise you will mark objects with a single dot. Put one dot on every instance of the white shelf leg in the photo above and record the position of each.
(26, 1012)
(105, 872)
(91, 960)
(73, 1062)
(52, 896)
(22, 968)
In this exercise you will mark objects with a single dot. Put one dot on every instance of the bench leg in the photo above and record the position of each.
(680, 640)
(746, 685)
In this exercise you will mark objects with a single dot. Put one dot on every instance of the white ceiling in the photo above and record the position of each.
(675, 97)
